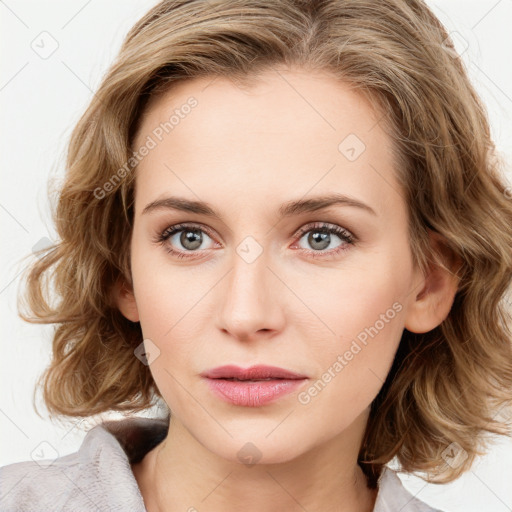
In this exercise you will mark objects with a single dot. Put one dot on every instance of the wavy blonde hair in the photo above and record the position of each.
(445, 386)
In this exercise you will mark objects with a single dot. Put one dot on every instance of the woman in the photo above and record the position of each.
(286, 220)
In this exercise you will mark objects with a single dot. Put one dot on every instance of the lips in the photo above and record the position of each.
(254, 373)
(252, 387)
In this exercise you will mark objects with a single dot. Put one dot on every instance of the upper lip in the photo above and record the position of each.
(252, 373)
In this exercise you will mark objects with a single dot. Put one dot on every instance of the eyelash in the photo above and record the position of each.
(319, 227)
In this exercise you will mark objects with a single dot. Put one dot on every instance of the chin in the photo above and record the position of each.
(259, 449)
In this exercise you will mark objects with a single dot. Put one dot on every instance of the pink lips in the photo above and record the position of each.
(253, 386)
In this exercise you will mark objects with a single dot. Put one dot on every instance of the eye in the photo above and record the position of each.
(320, 236)
(189, 236)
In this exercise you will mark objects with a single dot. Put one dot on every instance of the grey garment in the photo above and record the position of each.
(98, 477)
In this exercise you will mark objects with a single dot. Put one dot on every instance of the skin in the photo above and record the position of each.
(246, 151)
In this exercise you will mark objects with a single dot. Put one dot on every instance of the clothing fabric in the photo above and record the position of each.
(98, 477)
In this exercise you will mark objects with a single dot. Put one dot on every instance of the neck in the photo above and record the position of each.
(182, 474)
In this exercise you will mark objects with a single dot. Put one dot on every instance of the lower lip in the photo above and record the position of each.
(255, 393)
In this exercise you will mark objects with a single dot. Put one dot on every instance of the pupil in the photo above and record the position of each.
(191, 239)
(317, 237)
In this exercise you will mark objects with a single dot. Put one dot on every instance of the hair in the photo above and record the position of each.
(445, 386)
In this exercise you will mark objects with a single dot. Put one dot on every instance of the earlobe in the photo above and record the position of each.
(431, 304)
(125, 301)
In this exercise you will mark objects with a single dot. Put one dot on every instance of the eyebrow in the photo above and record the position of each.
(288, 209)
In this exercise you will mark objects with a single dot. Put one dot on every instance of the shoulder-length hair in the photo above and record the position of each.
(446, 385)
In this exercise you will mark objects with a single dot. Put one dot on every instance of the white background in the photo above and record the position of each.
(42, 99)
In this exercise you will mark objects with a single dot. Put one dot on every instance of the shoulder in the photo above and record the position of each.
(40, 485)
(96, 477)
(393, 496)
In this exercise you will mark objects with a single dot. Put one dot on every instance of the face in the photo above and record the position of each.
(324, 292)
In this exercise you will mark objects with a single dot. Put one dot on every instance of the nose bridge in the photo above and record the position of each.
(249, 301)
(249, 276)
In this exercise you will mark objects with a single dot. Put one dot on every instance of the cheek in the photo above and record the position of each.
(353, 365)
(365, 291)
(355, 333)
(156, 296)
(171, 303)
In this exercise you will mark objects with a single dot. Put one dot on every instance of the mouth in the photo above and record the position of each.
(248, 380)
(253, 374)
(252, 387)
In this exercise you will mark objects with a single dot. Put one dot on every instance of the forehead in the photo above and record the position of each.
(285, 134)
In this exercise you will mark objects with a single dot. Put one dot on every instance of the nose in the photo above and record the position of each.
(250, 300)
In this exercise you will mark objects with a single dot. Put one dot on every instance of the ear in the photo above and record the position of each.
(124, 299)
(432, 304)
